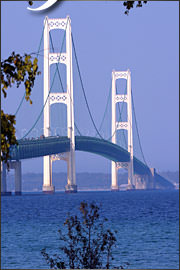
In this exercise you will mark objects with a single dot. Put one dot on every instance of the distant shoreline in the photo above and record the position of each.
(32, 182)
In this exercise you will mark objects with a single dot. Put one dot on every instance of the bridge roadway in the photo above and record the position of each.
(32, 148)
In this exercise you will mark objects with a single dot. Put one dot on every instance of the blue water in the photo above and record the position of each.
(147, 224)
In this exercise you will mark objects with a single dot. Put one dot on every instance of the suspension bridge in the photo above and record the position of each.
(52, 148)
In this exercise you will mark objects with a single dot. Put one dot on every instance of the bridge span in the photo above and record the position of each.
(32, 148)
(145, 177)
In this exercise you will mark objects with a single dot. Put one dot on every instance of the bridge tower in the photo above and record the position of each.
(115, 166)
(66, 98)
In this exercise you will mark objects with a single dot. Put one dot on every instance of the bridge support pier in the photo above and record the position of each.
(141, 181)
(16, 165)
(18, 178)
(152, 177)
(48, 188)
(145, 181)
(131, 184)
(4, 191)
(115, 166)
(114, 177)
(71, 186)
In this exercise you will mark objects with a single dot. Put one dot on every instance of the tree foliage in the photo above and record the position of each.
(7, 134)
(85, 242)
(130, 4)
(30, 3)
(16, 69)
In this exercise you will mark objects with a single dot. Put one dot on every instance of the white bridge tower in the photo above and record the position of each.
(115, 166)
(66, 98)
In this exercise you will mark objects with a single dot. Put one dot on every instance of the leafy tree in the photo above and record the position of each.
(86, 242)
(16, 69)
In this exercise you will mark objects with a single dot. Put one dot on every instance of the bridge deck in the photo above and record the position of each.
(53, 145)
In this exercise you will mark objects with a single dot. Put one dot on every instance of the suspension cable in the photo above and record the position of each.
(137, 129)
(41, 110)
(105, 110)
(82, 86)
(37, 55)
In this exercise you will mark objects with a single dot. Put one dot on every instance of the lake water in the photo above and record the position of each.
(147, 224)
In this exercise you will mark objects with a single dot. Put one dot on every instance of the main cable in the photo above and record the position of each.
(105, 109)
(137, 129)
(84, 89)
(37, 54)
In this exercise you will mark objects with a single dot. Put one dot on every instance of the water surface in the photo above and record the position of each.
(147, 223)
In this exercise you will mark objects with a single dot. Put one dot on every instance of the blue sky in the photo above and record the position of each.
(146, 42)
